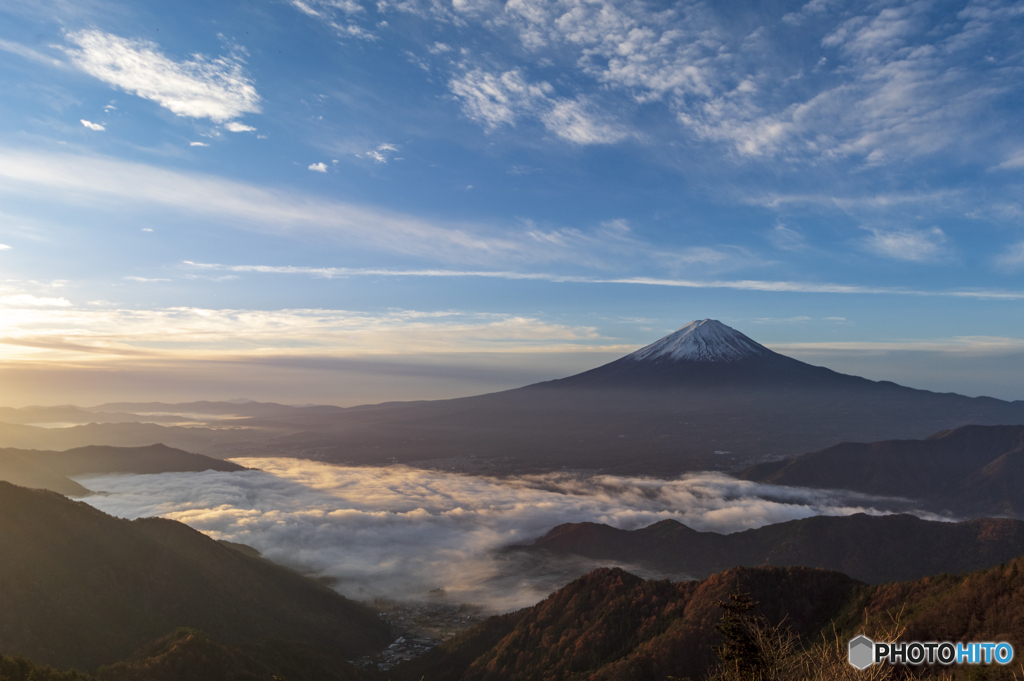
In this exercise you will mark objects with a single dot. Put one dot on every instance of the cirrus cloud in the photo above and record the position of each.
(915, 245)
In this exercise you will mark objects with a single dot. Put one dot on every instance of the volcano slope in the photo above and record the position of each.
(705, 397)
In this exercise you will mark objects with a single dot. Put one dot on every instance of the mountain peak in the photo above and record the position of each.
(704, 340)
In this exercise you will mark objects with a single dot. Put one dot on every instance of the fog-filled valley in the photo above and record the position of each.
(400, 532)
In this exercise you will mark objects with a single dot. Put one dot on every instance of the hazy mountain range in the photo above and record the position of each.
(705, 397)
(873, 549)
(973, 470)
(52, 470)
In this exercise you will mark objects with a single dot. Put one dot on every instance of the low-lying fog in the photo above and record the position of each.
(400, 532)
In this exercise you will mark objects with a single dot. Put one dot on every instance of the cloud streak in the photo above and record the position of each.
(112, 184)
(33, 327)
(741, 284)
(399, 532)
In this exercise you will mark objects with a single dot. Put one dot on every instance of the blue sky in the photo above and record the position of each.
(345, 201)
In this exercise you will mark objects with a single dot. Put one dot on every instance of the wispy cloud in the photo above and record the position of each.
(786, 238)
(98, 181)
(740, 284)
(27, 300)
(217, 89)
(92, 126)
(878, 84)
(53, 329)
(959, 345)
(572, 120)
(1012, 259)
(83, 179)
(338, 15)
(28, 53)
(381, 154)
(923, 245)
(1015, 161)
(497, 99)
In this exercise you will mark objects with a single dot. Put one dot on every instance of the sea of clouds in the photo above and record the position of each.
(400, 532)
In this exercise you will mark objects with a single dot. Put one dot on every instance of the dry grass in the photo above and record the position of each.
(783, 659)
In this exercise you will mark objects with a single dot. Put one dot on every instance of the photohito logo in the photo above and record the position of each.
(864, 652)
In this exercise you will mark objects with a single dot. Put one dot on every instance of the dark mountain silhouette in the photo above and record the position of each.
(972, 470)
(705, 397)
(51, 470)
(612, 626)
(193, 655)
(79, 588)
(873, 549)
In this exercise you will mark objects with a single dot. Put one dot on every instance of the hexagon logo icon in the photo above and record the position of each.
(862, 652)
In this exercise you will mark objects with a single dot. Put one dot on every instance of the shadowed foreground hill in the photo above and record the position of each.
(51, 470)
(612, 626)
(192, 655)
(79, 588)
(973, 470)
(874, 549)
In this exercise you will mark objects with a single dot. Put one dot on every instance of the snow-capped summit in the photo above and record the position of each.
(706, 340)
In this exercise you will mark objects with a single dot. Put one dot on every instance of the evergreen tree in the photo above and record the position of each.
(739, 651)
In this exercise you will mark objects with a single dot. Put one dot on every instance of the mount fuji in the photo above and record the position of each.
(709, 354)
(704, 397)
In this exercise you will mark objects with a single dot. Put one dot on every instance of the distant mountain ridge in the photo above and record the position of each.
(706, 397)
(53, 470)
(873, 549)
(972, 470)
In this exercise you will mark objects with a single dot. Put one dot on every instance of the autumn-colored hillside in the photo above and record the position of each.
(612, 626)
